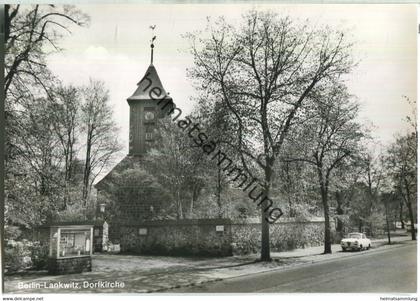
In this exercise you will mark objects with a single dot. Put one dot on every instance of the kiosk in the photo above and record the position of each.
(70, 249)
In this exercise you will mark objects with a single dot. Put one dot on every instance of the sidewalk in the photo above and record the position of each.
(142, 274)
(313, 251)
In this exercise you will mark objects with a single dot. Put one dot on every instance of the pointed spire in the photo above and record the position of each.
(149, 81)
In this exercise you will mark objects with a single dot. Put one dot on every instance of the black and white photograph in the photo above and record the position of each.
(217, 147)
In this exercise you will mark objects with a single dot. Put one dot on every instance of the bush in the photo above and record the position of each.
(23, 255)
(39, 255)
(12, 232)
(17, 255)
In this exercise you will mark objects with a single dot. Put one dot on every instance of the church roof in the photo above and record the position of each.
(149, 81)
(126, 163)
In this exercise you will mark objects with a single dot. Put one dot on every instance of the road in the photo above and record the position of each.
(387, 270)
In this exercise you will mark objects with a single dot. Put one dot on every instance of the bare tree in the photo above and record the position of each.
(65, 110)
(263, 72)
(101, 133)
(32, 31)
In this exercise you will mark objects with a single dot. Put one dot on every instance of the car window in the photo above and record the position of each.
(354, 235)
(363, 236)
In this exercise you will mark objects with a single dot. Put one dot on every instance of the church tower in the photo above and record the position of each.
(149, 103)
(132, 200)
(145, 110)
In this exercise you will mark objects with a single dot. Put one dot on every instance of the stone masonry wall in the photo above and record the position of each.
(69, 265)
(284, 235)
(199, 237)
(183, 237)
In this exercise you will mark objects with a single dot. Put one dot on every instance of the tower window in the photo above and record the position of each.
(149, 136)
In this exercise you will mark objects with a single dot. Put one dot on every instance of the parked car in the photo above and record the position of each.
(355, 241)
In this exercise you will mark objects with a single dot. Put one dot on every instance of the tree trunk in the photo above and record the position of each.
(387, 223)
(292, 212)
(265, 237)
(179, 204)
(401, 215)
(327, 236)
(265, 227)
(410, 210)
(324, 195)
(88, 167)
(86, 176)
(192, 203)
(219, 192)
(340, 211)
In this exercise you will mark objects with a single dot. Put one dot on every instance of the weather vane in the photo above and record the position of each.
(152, 27)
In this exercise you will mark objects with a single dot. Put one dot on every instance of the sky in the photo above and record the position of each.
(115, 48)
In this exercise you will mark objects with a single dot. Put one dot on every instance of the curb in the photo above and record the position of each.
(285, 268)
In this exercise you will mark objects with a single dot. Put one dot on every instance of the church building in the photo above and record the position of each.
(146, 110)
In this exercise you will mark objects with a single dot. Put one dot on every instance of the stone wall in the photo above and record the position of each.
(69, 265)
(284, 235)
(206, 237)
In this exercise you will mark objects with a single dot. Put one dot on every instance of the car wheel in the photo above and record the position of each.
(361, 248)
(368, 247)
(344, 249)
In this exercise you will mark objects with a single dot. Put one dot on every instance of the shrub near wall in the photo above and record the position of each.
(285, 235)
(17, 255)
(24, 255)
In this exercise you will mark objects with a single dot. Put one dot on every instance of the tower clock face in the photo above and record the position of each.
(149, 116)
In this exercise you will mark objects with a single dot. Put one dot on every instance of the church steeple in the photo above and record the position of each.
(144, 109)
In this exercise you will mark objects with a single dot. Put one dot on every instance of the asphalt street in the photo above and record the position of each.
(380, 271)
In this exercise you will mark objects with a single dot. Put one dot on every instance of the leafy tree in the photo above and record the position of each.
(295, 185)
(101, 132)
(401, 163)
(329, 138)
(65, 111)
(264, 71)
(132, 186)
(178, 164)
(389, 201)
(214, 122)
(33, 177)
(345, 188)
(33, 162)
